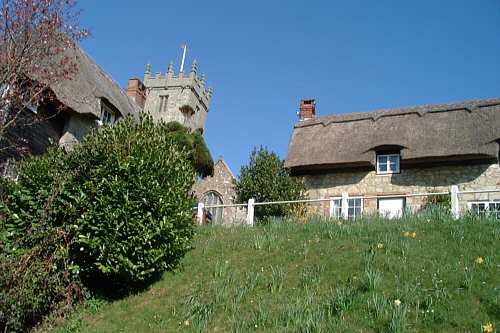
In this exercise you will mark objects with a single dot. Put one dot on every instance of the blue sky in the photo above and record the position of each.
(262, 57)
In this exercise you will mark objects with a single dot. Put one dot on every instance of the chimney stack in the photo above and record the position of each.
(307, 109)
(137, 91)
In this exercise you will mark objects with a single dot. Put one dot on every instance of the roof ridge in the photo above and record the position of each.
(422, 109)
(221, 160)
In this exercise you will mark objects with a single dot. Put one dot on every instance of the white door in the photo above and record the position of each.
(391, 207)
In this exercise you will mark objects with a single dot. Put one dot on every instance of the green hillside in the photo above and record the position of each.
(417, 274)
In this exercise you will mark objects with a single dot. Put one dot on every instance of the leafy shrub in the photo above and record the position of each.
(117, 210)
(441, 201)
(194, 143)
(36, 283)
(266, 179)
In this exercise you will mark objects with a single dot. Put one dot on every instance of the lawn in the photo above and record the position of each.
(416, 274)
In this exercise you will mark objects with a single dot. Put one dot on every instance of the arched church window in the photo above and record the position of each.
(214, 198)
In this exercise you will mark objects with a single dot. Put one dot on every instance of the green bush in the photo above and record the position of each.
(36, 283)
(440, 201)
(266, 179)
(194, 144)
(116, 209)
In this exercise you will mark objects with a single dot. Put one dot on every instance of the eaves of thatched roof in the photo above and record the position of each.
(468, 130)
(84, 92)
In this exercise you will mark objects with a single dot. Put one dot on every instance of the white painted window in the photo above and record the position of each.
(354, 208)
(388, 163)
(336, 208)
(107, 116)
(485, 208)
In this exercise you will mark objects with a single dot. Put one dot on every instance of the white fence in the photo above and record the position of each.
(340, 205)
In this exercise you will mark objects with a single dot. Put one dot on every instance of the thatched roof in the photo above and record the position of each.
(427, 133)
(83, 92)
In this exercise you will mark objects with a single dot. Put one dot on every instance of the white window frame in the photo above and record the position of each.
(107, 116)
(388, 164)
(336, 207)
(487, 209)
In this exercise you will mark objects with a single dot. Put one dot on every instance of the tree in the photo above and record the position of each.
(266, 179)
(194, 143)
(35, 36)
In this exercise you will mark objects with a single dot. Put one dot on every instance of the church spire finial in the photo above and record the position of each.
(170, 70)
(192, 74)
(147, 73)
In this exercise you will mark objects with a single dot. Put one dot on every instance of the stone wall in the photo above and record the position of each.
(169, 94)
(414, 180)
(222, 182)
(76, 127)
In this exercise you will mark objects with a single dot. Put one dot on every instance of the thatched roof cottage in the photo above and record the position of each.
(399, 151)
(89, 98)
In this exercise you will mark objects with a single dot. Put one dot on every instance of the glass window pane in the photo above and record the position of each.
(393, 167)
(382, 159)
(393, 159)
(337, 208)
(382, 167)
(357, 202)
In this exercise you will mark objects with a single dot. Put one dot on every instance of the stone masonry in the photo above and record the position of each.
(177, 97)
(414, 180)
(222, 183)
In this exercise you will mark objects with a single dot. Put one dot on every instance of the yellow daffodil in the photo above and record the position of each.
(413, 234)
(479, 260)
(397, 302)
(406, 234)
(186, 322)
(488, 328)
(380, 246)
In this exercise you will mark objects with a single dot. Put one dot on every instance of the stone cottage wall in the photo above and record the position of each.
(414, 180)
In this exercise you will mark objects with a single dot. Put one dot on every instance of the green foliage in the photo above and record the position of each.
(441, 201)
(116, 209)
(194, 144)
(266, 179)
(36, 283)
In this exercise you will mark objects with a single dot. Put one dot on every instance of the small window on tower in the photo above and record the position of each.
(163, 103)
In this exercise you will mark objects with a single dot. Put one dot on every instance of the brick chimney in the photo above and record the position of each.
(137, 91)
(307, 109)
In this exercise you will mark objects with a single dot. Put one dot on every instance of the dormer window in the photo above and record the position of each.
(388, 164)
(107, 115)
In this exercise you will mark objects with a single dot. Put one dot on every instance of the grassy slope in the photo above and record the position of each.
(321, 277)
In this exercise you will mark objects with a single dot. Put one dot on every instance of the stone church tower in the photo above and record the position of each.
(173, 97)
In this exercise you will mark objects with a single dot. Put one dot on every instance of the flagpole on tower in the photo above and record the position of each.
(184, 50)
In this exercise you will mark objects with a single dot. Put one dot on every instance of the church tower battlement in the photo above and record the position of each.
(177, 97)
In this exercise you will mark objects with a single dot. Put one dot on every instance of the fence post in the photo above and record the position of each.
(331, 207)
(455, 207)
(345, 205)
(199, 213)
(250, 207)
